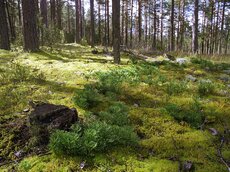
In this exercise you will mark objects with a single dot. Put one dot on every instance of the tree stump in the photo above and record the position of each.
(45, 118)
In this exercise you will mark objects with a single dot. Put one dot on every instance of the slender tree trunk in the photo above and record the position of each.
(80, 19)
(53, 12)
(19, 13)
(216, 29)
(195, 29)
(92, 41)
(59, 14)
(122, 21)
(11, 24)
(108, 22)
(222, 28)
(139, 19)
(77, 35)
(68, 17)
(131, 25)
(154, 24)
(182, 25)
(99, 22)
(146, 22)
(30, 26)
(44, 13)
(161, 20)
(211, 27)
(172, 46)
(178, 27)
(4, 30)
(126, 22)
(116, 30)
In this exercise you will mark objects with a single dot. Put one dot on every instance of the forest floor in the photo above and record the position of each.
(181, 113)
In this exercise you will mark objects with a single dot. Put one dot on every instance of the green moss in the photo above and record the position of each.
(146, 88)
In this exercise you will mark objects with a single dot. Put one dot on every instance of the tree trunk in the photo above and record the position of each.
(122, 21)
(30, 32)
(19, 13)
(4, 30)
(139, 20)
(99, 22)
(116, 30)
(108, 35)
(161, 13)
(126, 22)
(222, 29)
(53, 12)
(154, 24)
(195, 29)
(92, 41)
(43, 9)
(59, 14)
(172, 47)
(77, 36)
(131, 25)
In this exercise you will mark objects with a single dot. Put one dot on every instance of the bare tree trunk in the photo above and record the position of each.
(116, 30)
(53, 12)
(44, 13)
(99, 22)
(122, 21)
(195, 29)
(19, 13)
(131, 25)
(4, 30)
(161, 19)
(178, 27)
(30, 26)
(59, 14)
(92, 41)
(77, 35)
(139, 19)
(222, 29)
(154, 24)
(172, 46)
(108, 22)
(126, 22)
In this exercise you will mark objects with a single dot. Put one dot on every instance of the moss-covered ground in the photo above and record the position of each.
(173, 116)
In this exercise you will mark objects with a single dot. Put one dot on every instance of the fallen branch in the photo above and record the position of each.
(219, 150)
(136, 54)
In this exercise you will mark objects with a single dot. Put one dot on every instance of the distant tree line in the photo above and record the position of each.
(198, 26)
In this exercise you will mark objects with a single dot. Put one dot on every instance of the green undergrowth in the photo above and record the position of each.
(137, 116)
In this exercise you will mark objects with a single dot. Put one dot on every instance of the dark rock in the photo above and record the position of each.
(224, 78)
(226, 71)
(170, 57)
(45, 118)
(94, 52)
(188, 166)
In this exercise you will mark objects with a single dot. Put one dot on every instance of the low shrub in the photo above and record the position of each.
(206, 88)
(176, 87)
(192, 115)
(117, 114)
(95, 137)
(210, 65)
(87, 97)
(15, 72)
(112, 80)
